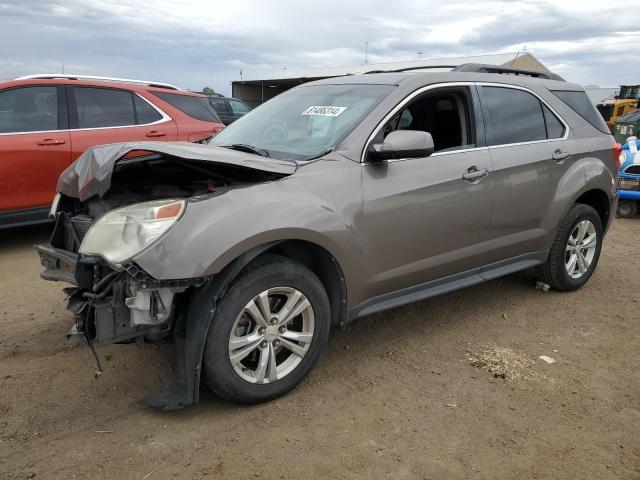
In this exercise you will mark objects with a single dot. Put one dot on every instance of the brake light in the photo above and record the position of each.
(616, 148)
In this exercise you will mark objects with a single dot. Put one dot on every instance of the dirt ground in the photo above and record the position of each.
(416, 392)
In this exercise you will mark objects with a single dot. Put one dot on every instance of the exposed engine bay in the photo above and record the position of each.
(119, 303)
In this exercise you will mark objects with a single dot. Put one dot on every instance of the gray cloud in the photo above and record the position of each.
(194, 43)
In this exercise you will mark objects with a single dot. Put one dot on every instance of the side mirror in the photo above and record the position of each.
(403, 144)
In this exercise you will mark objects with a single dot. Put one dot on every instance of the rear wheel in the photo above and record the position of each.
(575, 251)
(627, 209)
(268, 331)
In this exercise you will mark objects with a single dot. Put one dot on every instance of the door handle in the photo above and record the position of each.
(560, 156)
(156, 133)
(50, 141)
(474, 174)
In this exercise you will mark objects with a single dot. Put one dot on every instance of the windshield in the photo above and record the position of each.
(304, 122)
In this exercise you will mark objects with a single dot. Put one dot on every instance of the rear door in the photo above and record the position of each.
(101, 115)
(34, 145)
(529, 151)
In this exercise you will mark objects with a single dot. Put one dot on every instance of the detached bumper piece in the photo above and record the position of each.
(59, 265)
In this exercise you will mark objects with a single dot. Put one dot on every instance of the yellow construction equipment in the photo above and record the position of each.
(625, 102)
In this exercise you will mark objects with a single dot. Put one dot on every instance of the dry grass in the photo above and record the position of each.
(506, 363)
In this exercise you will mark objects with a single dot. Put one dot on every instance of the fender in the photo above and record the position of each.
(190, 335)
(587, 173)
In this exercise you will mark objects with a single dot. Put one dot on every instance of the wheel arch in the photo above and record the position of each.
(313, 256)
(599, 201)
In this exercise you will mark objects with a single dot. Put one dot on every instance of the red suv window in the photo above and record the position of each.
(196, 107)
(103, 107)
(29, 109)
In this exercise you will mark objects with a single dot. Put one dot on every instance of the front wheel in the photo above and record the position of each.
(267, 332)
(575, 251)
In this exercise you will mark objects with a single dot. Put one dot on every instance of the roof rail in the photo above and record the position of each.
(407, 69)
(99, 78)
(482, 68)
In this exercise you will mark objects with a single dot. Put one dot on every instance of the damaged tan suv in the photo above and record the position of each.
(334, 200)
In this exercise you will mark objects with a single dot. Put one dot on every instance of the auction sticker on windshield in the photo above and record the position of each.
(324, 110)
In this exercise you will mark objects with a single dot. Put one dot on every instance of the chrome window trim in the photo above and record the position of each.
(565, 136)
(165, 118)
(426, 88)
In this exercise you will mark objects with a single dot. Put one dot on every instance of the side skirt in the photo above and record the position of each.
(19, 218)
(457, 281)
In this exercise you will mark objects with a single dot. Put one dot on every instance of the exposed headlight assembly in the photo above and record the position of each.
(125, 232)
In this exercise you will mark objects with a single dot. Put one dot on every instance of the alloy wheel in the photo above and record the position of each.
(581, 249)
(271, 335)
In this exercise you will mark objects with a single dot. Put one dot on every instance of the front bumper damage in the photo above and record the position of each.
(113, 306)
(123, 305)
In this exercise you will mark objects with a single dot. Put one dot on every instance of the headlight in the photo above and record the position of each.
(125, 232)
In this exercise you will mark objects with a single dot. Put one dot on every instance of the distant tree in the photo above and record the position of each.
(208, 91)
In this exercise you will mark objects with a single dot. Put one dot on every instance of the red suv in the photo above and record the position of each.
(47, 121)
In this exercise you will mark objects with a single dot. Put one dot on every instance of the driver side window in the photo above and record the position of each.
(444, 113)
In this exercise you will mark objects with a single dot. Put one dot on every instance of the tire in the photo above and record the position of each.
(627, 209)
(253, 378)
(555, 271)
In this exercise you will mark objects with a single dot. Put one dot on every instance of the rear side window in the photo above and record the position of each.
(103, 107)
(30, 109)
(219, 105)
(145, 112)
(555, 128)
(196, 107)
(514, 116)
(580, 103)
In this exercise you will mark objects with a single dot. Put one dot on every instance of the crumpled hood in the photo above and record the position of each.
(91, 173)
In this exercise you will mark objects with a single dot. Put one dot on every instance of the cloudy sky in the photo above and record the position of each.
(196, 43)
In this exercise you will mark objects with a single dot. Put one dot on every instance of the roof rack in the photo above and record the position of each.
(483, 68)
(99, 78)
(407, 69)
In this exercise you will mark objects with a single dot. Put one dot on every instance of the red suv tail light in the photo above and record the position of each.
(616, 148)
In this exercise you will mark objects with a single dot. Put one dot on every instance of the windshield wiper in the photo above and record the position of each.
(243, 147)
(315, 157)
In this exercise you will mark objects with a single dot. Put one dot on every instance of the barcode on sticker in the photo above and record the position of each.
(324, 110)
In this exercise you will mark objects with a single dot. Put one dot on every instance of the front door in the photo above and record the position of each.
(34, 146)
(428, 218)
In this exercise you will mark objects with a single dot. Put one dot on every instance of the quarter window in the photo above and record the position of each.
(580, 103)
(555, 128)
(196, 107)
(30, 109)
(514, 116)
(103, 107)
(145, 112)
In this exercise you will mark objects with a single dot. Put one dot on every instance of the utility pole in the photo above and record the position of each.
(284, 72)
(419, 55)
(240, 75)
(366, 52)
